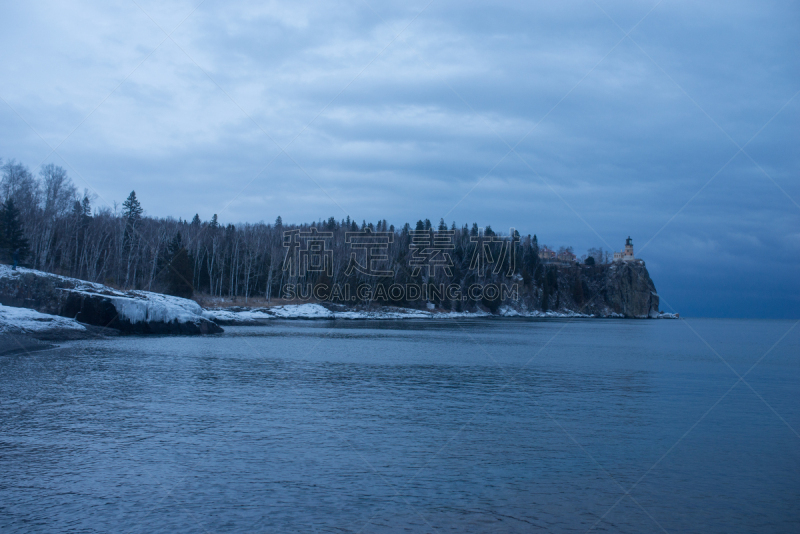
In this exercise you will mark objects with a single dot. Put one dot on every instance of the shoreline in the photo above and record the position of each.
(240, 315)
(50, 307)
(34, 330)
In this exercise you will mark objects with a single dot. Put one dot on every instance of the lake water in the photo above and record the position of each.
(470, 426)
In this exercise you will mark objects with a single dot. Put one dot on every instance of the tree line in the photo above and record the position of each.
(53, 228)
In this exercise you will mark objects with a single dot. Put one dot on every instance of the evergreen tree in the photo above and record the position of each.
(132, 212)
(131, 208)
(86, 207)
(214, 224)
(179, 272)
(13, 239)
(196, 220)
(77, 210)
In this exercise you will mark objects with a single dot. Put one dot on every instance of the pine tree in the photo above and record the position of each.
(214, 224)
(86, 207)
(196, 220)
(13, 235)
(179, 271)
(77, 210)
(131, 208)
(132, 212)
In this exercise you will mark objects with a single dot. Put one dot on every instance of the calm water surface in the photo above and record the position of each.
(475, 426)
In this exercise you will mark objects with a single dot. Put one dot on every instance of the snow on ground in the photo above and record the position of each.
(25, 321)
(301, 311)
(316, 311)
(506, 311)
(236, 315)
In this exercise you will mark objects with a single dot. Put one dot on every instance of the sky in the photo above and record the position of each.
(582, 122)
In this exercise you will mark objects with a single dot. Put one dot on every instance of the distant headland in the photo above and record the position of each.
(351, 270)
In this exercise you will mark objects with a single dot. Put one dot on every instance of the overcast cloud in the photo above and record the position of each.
(410, 110)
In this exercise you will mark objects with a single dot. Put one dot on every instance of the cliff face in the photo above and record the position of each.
(630, 291)
(135, 312)
(619, 289)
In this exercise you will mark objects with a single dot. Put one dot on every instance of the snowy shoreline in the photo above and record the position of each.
(243, 316)
(27, 323)
(45, 306)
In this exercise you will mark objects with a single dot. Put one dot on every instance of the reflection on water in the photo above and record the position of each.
(350, 426)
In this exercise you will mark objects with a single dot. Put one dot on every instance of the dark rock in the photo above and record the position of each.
(606, 290)
(91, 304)
(630, 291)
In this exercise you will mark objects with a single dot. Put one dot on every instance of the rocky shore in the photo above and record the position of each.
(88, 307)
(36, 306)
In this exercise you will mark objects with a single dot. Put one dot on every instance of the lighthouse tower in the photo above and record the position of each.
(627, 255)
(628, 249)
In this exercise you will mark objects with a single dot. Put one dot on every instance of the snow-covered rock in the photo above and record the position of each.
(25, 321)
(20, 327)
(95, 304)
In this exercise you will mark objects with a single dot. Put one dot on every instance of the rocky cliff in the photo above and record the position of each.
(617, 289)
(630, 291)
(134, 312)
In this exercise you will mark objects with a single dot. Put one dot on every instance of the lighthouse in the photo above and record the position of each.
(627, 255)
(628, 249)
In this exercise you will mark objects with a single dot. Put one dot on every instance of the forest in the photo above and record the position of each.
(47, 225)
